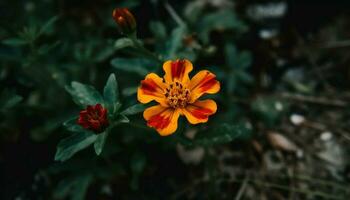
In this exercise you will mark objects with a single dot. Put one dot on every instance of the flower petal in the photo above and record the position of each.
(152, 88)
(163, 119)
(177, 70)
(199, 111)
(203, 82)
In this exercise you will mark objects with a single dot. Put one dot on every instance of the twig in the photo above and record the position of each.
(313, 99)
(173, 14)
(337, 44)
(242, 189)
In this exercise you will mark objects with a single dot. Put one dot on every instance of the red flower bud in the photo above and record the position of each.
(94, 118)
(125, 20)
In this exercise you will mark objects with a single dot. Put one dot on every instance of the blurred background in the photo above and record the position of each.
(282, 130)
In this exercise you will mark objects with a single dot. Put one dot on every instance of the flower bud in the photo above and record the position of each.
(94, 118)
(125, 20)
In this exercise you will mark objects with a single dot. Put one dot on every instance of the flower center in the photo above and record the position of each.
(177, 95)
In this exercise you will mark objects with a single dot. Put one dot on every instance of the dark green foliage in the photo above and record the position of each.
(281, 130)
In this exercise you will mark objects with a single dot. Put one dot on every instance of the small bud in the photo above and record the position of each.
(125, 20)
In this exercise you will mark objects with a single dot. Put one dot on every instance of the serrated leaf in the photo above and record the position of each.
(100, 142)
(123, 43)
(137, 108)
(134, 65)
(222, 134)
(71, 145)
(84, 95)
(111, 93)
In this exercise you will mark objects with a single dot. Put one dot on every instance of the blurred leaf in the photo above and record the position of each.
(14, 42)
(158, 30)
(222, 134)
(84, 95)
(269, 110)
(138, 163)
(111, 93)
(134, 65)
(235, 59)
(71, 145)
(175, 42)
(45, 28)
(137, 108)
(128, 4)
(75, 187)
(44, 49)
(123, 43)
(128, 91)
(221, 20)
(9, 99)
(100, 142)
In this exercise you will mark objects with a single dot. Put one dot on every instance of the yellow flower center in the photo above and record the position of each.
(177, 95)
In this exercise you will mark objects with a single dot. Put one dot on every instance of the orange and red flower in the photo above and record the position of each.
(177, 95)
(94, 118)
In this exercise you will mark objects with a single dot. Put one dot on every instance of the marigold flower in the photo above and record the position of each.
(125, 20)
(94, 118)
(177, 95)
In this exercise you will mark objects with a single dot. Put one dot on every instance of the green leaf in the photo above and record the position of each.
(128, 91)
(123, 43)
(222, 134)
(14, 42)
(100, 142)
(122, 119)
(9, 99)
(222, 20)
(134, 65)
(231, 55)
(137, 108)
(158, 30)
(75, 187)
(71, 125)
(47, 25)
(245, 59)
(71, 145)
(111, 93)
(269, 110)
(46, 48)
(138, 163)
(175, 42)
(84, 95)
(235, 59)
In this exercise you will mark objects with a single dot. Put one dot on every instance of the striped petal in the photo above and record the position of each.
(163, 119)
(199, 111)
(203, 82)
(152, 88)
(177, 70)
